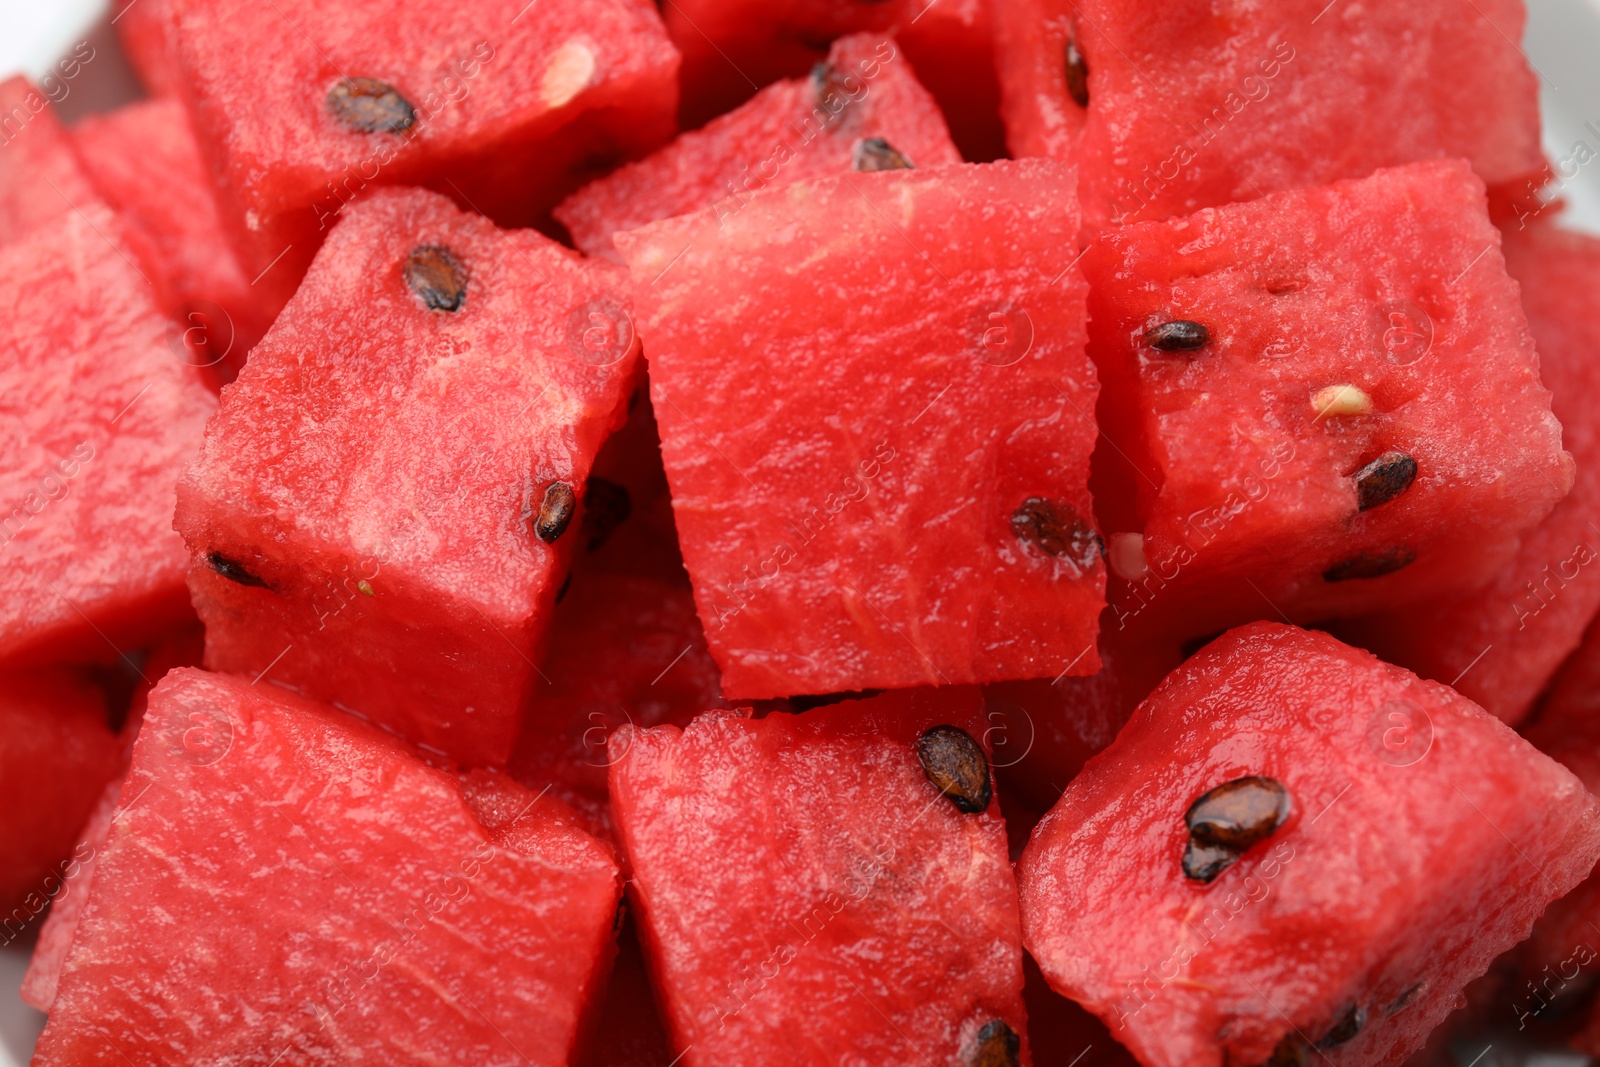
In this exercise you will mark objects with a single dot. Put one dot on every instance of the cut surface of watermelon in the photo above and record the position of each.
(502, 105)
(1325, 402)
(330, 552)
(41, 181)
(796, 129)
(891, 492)
(100, 417)
(329, 884)
(1170, 108)
(808, 895)
(1501, 645)
(143, 160)
(1253, 866)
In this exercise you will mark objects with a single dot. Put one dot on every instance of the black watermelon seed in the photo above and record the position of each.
(437, 277)
(1346, 1029)
(827, 81)
(370, 106)
(1180, 335)
(1077, 73)
(1370, 565)
(1226, 821)
(872, 154)
(233, 570)
(1057, 529)
(997, 1045)
(955, 763)
(555, 512)
(606, 506)
(1289, 1052)
(1384, 479)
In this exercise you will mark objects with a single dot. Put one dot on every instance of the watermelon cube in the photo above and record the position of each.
(144, 162)
(1174, 107)
(1328, 401)
(57, 752)
(504, 105)
(825, 888)
(103, 415)
(411, 585)
(891, 490)
(1252, 870)
(1500, 645)
(286, 881)
(816, 126)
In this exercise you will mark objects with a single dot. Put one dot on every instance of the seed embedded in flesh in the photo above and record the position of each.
(826, 80)
(1404, 1000)
(1077, 73)
(1384, 479)
(1058, 530)
(370, 106)
(997, 1046)
(436, 276)
(555, 512)
(1179, 335)
(1338, 400)
(233, 570)
(1346, 1029)
(1370, 565)
(955, 763)
(1226, 821)
(872, 154)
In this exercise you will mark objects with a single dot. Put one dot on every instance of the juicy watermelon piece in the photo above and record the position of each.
(803, 128)
(1329, 926)
(142, 30)
(412, 586)
(1346, 329)
(328, 884)
(101, 417)
(57, 752)
(808, 895)
(143, 160)
(66, 906)
(851, 527)
(503, 105)
(1188, 107)
(41, 181)
(1499, 646)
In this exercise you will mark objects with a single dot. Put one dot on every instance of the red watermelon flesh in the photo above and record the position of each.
(808, 896)
(101, 415)
(1500, 645)
(66, 907)
(1567, 723)
(411, 586)
(1346, 329)
(57, 752)
(142, 30)
(888, 492)
(41, 181)
(1330, 914)
(1039, 55)
(144, 161)
(329, 884)
(797, 129)
(1191, 106)
(503, 105)
(642, 541)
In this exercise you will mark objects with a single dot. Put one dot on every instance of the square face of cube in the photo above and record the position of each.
(1323, 402)
(380, 514)
(1251, 871)
(876, 420)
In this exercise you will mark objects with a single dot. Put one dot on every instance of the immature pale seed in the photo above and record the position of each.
(437, 277)
(1406, 997)
(955, 763)
(370, 106)
(232, 570)
(1346, 1029)
(1341, 400)
(1180, 335)
(555, 512)
(1384, 479)
(1226, 821)
(606, 506)
(1370, 565)
(874, 154)
(1056, 529)
(1077, 73)
(997, 1045)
